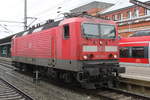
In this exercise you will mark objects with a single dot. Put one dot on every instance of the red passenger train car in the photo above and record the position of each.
(134, 51)
(84, 49)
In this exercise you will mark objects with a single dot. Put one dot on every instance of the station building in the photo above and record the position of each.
(129, 17)
(5, 46)
(93, 8)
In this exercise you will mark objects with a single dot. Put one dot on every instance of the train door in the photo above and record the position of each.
(66, 42)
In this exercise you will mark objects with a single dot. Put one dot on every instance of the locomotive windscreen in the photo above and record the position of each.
(91, 30)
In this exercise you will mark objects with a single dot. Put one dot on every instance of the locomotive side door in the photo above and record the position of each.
(63, 47)
(52, 46)
(66, 42)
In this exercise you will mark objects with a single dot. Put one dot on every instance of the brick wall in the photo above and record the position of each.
(130, 26)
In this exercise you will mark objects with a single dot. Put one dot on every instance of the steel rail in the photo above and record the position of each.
(118, 94)
(114, 94)
(24, 95)
(128, 93)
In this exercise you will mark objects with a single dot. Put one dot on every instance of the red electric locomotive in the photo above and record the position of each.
(134, 50)
(78, 48)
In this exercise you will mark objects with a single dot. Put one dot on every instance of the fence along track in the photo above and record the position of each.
(10, 92)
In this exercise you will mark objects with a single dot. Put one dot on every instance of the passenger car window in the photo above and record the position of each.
(138, 52)
(124, 52)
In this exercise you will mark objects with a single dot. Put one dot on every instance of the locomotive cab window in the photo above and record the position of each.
(66, 31)
(105, 31)
(91, 30)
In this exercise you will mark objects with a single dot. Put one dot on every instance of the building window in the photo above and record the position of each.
(129, 14)
(119, 17)
(136, 13)
(116, 17)
(106, 17)
(113, 17)
(147, 12)
(66, 31)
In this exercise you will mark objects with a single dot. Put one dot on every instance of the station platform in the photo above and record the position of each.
(5, 60)
(137, 73)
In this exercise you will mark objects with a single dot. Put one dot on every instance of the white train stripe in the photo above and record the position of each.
(90, 48)
(134, 64)
(135, 42)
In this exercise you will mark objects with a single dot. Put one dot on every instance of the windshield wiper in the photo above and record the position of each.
(90, 35)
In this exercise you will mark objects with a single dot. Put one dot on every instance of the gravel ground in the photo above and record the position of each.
(42, 90)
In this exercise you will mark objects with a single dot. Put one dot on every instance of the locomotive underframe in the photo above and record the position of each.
(98, 72)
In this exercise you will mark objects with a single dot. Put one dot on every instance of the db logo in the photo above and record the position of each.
(138, 60)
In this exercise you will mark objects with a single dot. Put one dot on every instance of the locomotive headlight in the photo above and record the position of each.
(85, 57)
(115, 56)
(100, 42)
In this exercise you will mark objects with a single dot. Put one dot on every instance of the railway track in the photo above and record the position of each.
(10, 92)
(5, 61)
(108, 94)
(118, 94)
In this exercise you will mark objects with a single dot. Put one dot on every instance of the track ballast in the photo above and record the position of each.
(10, 92)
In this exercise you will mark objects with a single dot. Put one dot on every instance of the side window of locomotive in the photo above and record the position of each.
(66, 31)
(139, 52)
(124, 52)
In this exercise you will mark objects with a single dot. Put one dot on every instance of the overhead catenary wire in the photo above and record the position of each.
(48, 10)
(59, 4)
(5, 28)
(22, 22)
(65, 6)
(52, 11)
(10, 21)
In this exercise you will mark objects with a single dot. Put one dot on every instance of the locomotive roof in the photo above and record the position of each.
(38, 27)
(52, 23)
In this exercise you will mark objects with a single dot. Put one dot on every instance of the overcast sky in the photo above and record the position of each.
(13, 10)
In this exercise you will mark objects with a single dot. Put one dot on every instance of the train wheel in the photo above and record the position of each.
(52, 73)
(24, 67)
(67, 77)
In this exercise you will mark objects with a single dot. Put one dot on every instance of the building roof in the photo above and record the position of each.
(94, 4)
(6, 39)
(121, 4)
